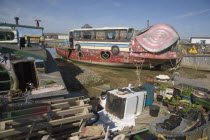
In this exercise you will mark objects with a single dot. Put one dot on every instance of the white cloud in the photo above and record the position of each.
(116, 4)
(195, 13)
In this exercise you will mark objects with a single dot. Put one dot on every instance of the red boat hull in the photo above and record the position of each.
(123, 59)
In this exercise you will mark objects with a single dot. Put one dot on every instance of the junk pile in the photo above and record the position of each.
(53, 119)
(187, 109)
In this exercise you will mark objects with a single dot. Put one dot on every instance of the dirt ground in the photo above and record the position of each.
(85, 77)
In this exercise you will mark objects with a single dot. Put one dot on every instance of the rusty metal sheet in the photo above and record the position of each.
(158, 38)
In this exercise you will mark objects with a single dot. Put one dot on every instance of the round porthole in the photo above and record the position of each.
(115, 50)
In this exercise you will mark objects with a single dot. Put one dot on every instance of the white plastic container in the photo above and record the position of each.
(125, 105)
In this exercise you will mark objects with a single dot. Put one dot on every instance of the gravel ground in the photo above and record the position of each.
(77, 78)
(82, 77)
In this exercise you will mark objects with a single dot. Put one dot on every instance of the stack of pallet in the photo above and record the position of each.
(57, 119)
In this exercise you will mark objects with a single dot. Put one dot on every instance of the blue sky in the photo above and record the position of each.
(188, 17)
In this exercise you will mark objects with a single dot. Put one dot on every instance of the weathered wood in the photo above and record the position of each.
(25, 106)
(71, 107)
(82, 122)
(66, 115)
(65, 104)
(44, 132)
(57, 113)
(2, 125)
(26, 129)
(70, 119)
(64, 100)
(26, 112)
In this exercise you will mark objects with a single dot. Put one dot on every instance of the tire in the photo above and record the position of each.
(77, 47)
(115, 50)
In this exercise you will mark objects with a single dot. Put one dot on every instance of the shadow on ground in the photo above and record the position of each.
(69, 72)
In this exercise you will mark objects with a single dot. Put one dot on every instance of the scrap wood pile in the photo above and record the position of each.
(58, 119)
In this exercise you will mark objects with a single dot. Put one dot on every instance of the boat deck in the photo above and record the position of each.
(35, 52)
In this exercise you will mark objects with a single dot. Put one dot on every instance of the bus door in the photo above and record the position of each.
(71, 41)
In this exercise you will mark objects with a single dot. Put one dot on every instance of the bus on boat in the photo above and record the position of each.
(123, 47)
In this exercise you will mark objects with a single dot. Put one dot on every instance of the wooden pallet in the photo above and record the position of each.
(66, 118)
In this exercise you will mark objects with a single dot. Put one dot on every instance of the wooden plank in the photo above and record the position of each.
(26, 129)
(65, 104)
(64, 100)
(70, 119)
(67, 112)
(71, 107)
(25, 106)
(2, 126)
(44, 132)
(26, 112)
(58, 112)
(83, 122)
(53, 106)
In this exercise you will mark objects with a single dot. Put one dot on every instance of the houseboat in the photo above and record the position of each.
(123, 47)
(25, 67)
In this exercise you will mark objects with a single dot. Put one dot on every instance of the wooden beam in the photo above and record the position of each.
(71, 107)
(44, 132)
(65, 104)
(42, 125)
(64, 100)
(59, 112)
(70, 119)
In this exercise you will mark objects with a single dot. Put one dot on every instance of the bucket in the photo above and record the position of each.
(154, 110)
(159, 98)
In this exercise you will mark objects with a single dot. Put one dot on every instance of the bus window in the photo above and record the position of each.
(117, 34)
(110, 34)
(87, 35)
(123, 35)
(81, 35)
(100, 35)
(2, 36)
(130, 33)
(93, 35)
(6, 36)
(76, 35)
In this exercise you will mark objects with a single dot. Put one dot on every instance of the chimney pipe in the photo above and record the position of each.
(37, 22)
(147, 23)
(16, 20)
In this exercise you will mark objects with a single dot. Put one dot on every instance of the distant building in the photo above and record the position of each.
(200, 40)
(63, 36)
(50, 36)
(183, 41)
(86, 26)
(55, 36)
